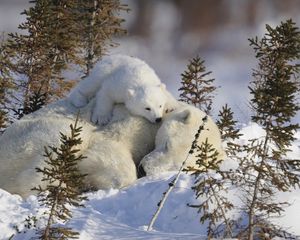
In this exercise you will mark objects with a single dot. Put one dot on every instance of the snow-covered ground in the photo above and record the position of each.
(116, 214)
(125, 214)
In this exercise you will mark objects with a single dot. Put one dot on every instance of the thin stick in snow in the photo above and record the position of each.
(173, 183)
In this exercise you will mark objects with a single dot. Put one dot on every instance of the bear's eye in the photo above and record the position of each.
(160, 106)
(148, 109)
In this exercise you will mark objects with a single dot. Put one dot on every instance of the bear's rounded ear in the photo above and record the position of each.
(185, 116)
(130, 92)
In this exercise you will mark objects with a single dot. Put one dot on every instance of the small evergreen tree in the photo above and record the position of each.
(97, 22)
(229, 134)
(210, 186)
(274, 89)
(3, 120)
(63, 184)
(227, 125)
(55, 36)
(36, 101)
(196, 89)
(6, 85)
(42, 51)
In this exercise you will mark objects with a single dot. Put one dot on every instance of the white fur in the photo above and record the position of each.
(174, 138)
(122, 79)
(111, 152)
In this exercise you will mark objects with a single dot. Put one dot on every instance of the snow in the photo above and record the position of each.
(116, 214)
(125, 213)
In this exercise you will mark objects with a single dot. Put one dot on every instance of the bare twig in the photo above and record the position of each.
(173, 183)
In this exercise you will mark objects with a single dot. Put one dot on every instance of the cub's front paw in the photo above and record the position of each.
(100, 119)
(151, 163)
(77, 99)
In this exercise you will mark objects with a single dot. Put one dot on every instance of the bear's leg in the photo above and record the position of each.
(77, 98)
(102, 111)
(155, 162)
(171, 103)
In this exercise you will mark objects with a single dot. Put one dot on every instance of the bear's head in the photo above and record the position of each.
(174, 139)
(148, 102)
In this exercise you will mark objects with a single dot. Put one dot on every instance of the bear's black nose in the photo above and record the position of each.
(158, 120)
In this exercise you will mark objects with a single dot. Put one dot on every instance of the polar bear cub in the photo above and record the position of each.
(122, 79)
(175, 136)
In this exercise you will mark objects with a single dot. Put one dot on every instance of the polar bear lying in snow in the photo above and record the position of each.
(123, 79)
(112, 152)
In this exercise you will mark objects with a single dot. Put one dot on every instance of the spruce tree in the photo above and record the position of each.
(274, 89)
(35, 101)
(6, 85)
(196, 89)
(58, 37)
(63, 184)
(230, 133)
(55, 36)
(210, 187)
(227, 125)
(42, 51)
(98, 21)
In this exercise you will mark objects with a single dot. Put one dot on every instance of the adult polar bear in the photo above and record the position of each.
(123, 79)
(112, 152)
